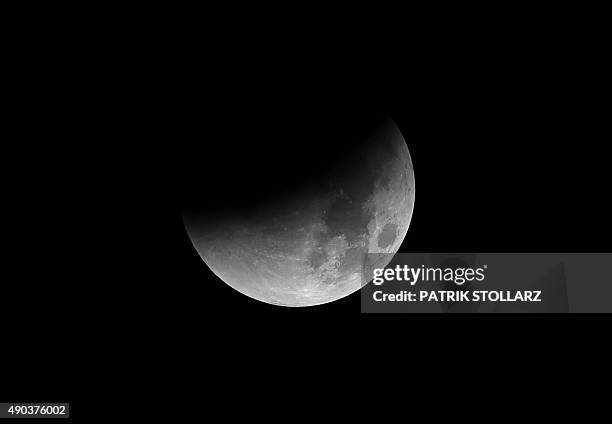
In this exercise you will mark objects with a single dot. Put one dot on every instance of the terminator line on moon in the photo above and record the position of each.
(312, 249)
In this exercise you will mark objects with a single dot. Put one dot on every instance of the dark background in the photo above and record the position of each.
(105, 293)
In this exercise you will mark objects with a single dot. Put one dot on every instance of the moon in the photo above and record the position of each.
(309, 245)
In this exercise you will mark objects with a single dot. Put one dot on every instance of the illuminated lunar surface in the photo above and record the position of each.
(309, 247)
